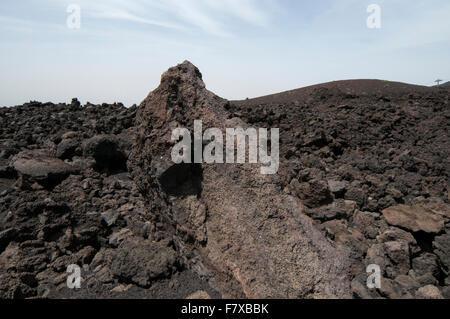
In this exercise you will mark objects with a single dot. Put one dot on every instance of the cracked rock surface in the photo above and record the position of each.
(256, 242)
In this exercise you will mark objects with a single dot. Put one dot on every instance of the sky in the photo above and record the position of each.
(244, 48)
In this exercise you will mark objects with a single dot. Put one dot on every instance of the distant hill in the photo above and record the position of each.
(353, 87)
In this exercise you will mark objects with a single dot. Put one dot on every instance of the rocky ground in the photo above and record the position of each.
(67, 198)
(364, 179)
(371, 161)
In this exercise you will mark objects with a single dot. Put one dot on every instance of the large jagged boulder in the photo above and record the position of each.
(234, 225)
(39, 166)
(107, 152)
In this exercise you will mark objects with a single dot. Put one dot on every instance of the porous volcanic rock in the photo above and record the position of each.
(414, 218)
(429, 292)
(89, 213)
(442, 250)
(39, 166)
(381, 144)
(142, 262)
(258, 242)
(106, 151)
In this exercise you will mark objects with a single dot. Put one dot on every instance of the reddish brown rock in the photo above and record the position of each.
(258, 243)
(429, 292)
(414, 218)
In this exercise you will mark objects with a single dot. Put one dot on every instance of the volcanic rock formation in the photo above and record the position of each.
(253, 239)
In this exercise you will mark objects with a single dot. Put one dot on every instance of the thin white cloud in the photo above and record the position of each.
(210, 16)
(250, 11)
(195, 13)
(124, 15)
(26, 25)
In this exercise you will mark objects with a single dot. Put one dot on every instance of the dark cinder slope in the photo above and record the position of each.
(349, 87)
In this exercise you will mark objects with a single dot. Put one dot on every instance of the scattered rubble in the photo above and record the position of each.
(363, 179)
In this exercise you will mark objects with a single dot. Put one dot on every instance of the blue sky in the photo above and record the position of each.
(244, 48)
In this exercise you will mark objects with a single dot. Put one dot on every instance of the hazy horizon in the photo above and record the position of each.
(244, 48)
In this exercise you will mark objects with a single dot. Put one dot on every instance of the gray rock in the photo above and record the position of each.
(337, 210)
(426, 264)
(360, 290)
(407, 283)
(106, 151)
(118, 237)
(314, 193)
(337, 187)
(356, 193)
(441, 246)
(110, 217)
(67, 149)
(392, 257)
(392, 290)
(394, 234)
(398, 253)
(395, 193)
(367, 223)
(446, 292)
(142, 262)
(38, 166)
